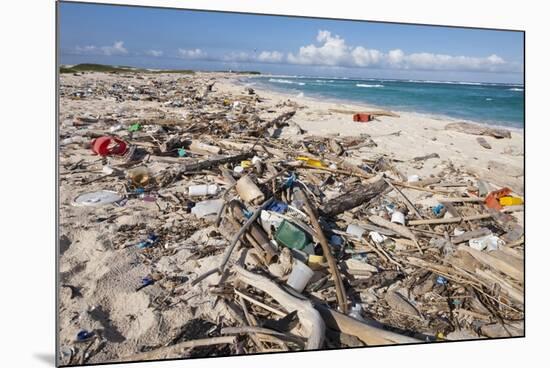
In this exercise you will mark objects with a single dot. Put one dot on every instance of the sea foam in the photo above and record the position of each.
(285, 81)
(369, 85)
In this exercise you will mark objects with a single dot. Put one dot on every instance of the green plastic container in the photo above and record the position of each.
(291, 236)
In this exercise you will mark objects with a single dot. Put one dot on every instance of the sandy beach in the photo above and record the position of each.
(100, 268)
(419, 135)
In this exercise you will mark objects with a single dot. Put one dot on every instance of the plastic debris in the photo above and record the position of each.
(98, 198)
(207, 208)
(489, 242)
(291, 236)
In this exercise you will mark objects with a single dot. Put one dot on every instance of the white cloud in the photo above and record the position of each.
(395, 57)
(270, 56)
(238, 56)
(191, 54)
(154, 53)
(262, 57)
(116, 48)
(365, 57)
(332, 50)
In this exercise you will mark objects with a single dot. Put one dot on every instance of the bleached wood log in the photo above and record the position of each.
(308, 316)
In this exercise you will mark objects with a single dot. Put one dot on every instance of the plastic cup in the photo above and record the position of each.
(355, 230)
(300, 276)
(398, 218)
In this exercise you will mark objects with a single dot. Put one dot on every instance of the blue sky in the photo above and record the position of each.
(167, 38)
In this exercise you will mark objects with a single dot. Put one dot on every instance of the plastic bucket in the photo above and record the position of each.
(300, 276)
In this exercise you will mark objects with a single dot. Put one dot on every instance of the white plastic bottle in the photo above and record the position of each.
(203, 189)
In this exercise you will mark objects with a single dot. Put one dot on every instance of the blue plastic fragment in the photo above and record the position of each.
(151, 239)
(441, 280)
(438, 209)
(181, 152)
(143, 244)
(290, 180)
(276, 206)
(84, 335)
(336, 240)
(147, 281)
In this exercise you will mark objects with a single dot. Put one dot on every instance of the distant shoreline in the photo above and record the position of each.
(367, 105)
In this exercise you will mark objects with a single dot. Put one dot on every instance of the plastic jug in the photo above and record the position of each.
(291, 236)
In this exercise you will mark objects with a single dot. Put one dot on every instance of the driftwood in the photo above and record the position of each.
(427, 181)
(175, 351)
(249, 146)
(259, 303)
(335, 147)
(465, 218)
(399, 304)
(449, 220)
(399, 229)
(234, 242)
(460, 199)
(203, 147)
(259, 235)
(207, 164)
(261, 330)
(354, 198)
(373, 113)
(483, 143)
(510, 290)
(308, 316)
(479, 130)
(333, 267)
(500, 265)
(283, 118)
(410, 205)
(471, 235)
(370, 335)
(426, 157)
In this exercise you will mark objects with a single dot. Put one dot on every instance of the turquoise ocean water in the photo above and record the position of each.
(488, 103)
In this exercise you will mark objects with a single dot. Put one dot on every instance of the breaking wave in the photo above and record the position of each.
(285, 81)
(369, 85)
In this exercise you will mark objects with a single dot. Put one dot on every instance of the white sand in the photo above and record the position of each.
(107, 276)
(420, 135)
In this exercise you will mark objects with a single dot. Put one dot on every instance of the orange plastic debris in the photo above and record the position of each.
(492, 200)
(363, 118)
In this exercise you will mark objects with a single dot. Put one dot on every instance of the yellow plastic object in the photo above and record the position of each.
(315, 262)
(311, 161)
(510, 201)
(246, 164)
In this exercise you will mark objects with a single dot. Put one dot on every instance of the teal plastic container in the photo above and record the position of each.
(291, 236)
